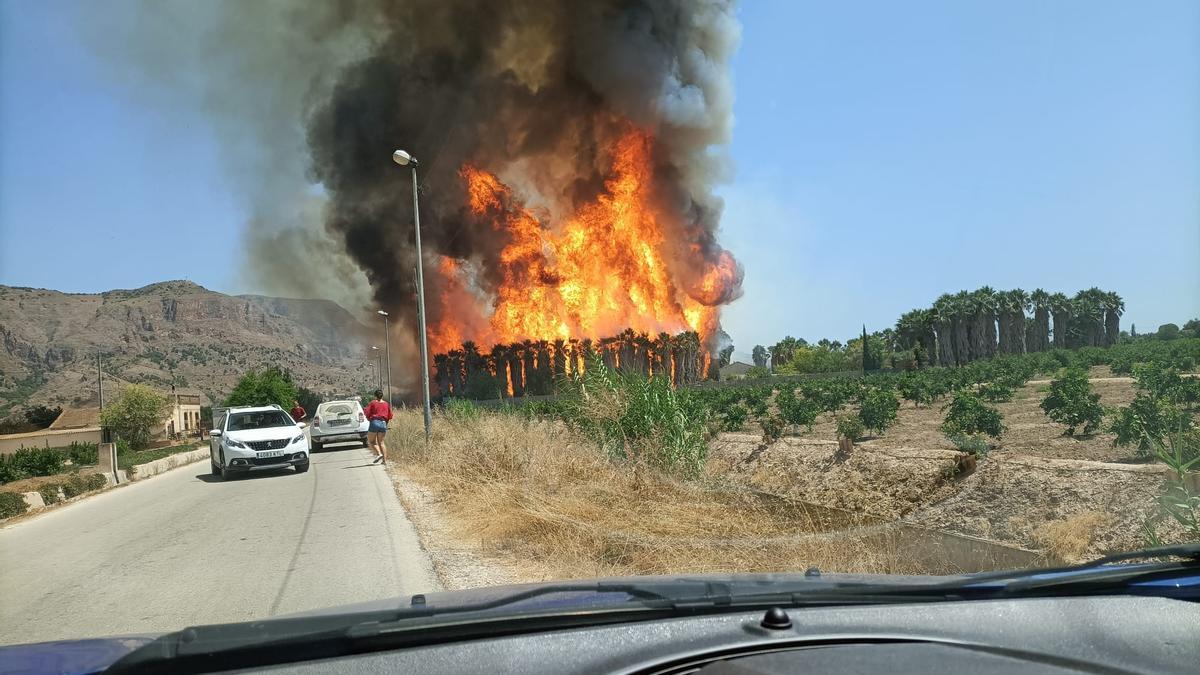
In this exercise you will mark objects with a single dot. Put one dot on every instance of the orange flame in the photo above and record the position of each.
(601, 271)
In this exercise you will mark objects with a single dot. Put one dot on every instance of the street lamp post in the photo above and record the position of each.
(404, 159)
(387, 350)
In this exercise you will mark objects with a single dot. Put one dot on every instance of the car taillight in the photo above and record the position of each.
(317, 421)
(362, 417)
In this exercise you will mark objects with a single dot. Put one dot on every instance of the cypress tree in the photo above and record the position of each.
(866, 347)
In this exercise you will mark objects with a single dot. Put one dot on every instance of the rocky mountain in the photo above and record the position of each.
(171, 332)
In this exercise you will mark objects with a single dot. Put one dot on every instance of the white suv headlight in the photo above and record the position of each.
(298, 438)
(235, 444)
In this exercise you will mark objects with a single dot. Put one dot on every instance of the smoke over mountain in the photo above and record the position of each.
(542, 97)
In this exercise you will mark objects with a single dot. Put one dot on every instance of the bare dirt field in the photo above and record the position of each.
(1037, 489)
(1029, 432)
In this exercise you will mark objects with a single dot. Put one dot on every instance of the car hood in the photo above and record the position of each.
(92, 655)
(269, 434)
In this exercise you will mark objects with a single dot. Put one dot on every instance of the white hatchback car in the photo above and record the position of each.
(256, 439)
(337, 422)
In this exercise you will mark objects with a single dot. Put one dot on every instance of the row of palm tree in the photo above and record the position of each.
(532, 367)
(967, 326)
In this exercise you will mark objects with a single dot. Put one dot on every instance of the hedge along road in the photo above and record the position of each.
(186, 548)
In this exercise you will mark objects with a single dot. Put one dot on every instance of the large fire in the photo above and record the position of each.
(605, 269)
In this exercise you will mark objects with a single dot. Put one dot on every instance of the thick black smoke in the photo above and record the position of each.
(535, 91)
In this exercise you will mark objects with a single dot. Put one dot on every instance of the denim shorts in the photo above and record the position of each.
(377, 426)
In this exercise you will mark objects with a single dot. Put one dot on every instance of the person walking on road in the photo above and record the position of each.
(379, 413)
(298, 411)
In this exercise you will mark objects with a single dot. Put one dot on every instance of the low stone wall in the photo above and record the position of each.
(35, 502)
(140, 471)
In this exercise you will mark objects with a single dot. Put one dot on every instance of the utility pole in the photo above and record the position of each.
(387, 350)
(100, 379)
(402, 158)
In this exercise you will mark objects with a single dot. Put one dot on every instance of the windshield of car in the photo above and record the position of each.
(265, 419)
(480, 294)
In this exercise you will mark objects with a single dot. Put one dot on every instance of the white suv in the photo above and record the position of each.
(337, 422)
(256, 439)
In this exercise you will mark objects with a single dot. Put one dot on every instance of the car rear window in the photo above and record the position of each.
(338, 409)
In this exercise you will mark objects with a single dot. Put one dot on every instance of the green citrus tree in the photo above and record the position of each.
(271, 386)
(136, 413)
(1071, 402)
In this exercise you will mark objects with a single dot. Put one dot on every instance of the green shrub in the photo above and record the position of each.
(636, 418)
(967, 415)
(756, 400)
(83, 454)
(831, 394)
(12, 504)
(795, 410)
(757, 372)
(77, 484)
(73, 486)
(1181, 454)
(877, 409)
(30, 462)
(1071, 402)
(772, 426)
(734, 418)
(1121, 364)
(50, 494)
(975, 444)
(999, 391)
(850, 426)
(918, 388)
(1146, 421)
(461, 409)
(1160, 382)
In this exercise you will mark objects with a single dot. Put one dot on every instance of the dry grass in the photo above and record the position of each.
(1069, 539)
(537, 492)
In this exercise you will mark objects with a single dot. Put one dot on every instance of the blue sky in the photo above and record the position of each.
(885, 153)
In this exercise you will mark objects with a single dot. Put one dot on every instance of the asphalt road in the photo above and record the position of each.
(186, 548)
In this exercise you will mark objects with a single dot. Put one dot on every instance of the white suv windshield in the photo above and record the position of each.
(264, 419)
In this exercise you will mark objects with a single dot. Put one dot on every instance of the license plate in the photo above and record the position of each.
(339, 423)
(269, 454)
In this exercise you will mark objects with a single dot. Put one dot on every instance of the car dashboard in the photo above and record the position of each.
(1047, 635)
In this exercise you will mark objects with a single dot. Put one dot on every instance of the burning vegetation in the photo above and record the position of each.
(568, 153)
(530, 368)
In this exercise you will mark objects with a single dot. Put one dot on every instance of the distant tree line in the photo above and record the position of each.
(963, 327)
(967, 326)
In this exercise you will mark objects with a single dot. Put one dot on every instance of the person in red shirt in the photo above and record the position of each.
(298, 411)
(378, 413)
